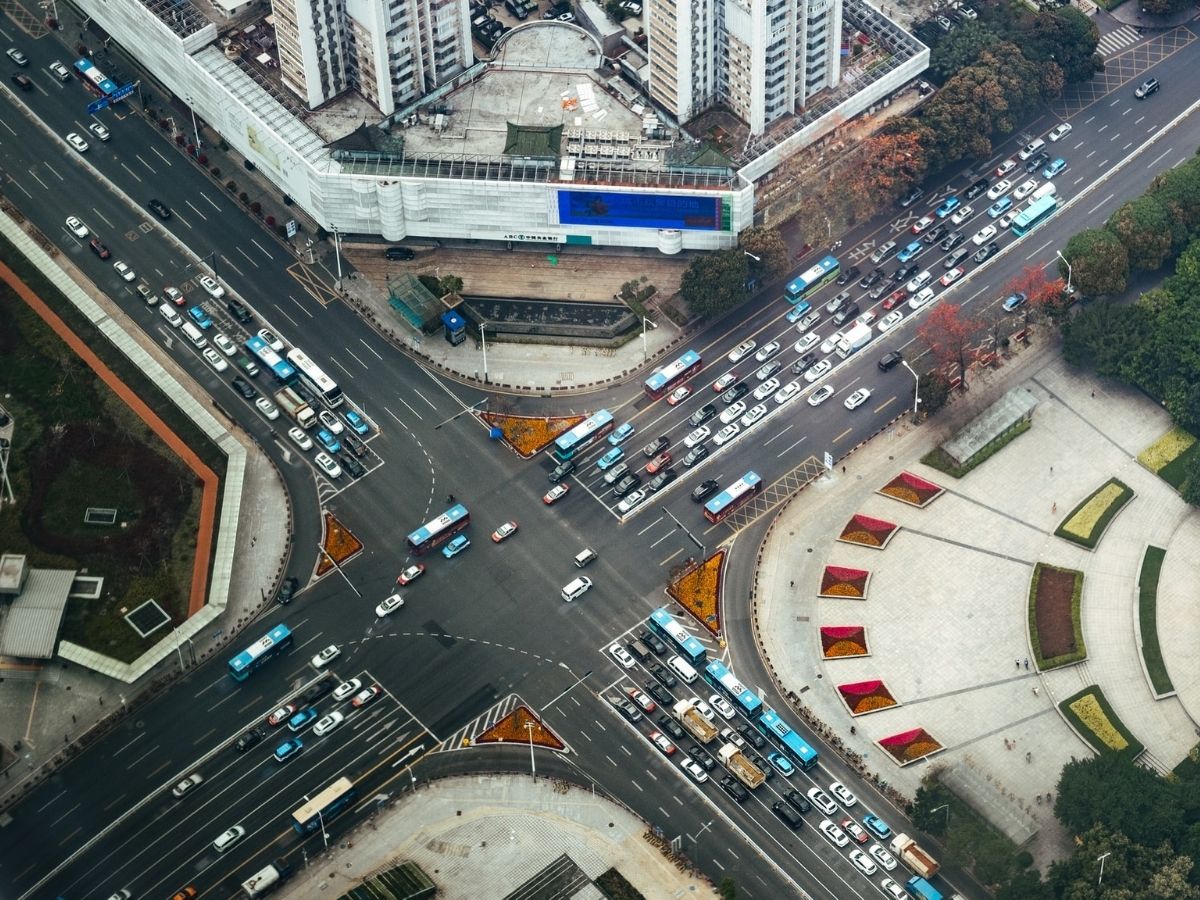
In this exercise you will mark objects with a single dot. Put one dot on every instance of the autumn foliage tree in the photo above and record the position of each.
(951, 337)
(1044, 296)
(892, 160)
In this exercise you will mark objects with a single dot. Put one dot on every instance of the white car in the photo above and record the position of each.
(210, 287)
(863, 863)
(694, 769)
(272, 339)
(920, 298)
(768, 387)
(621, 655)
(1026, 188)
(984, 235)
(705, 710)
(918, 281)
(330, 421)
(894, 890)
(124, 271)
(389, 606)
(1007, 219)
(891, 320)
(186, 785)
(836, 836)
(999, 189)
(721, 705)
(962, 214)
(224, 344)
(865, 319)
(326, 656)
(328, 465)
(77, 142)
(845, 797)
(267, 408)
(787, 392)
(818, 370)
(347, 689)
(733, 411)
(1059, 132)
(299, 438)
(631, 500)
(754, 414)
(328, 723)
(741, 350)
(830, 342)
(698, 436)
(881, 856)
(767, 351)
(822, 801)
(857, 399)
(807, 342)
(214, 359)
(76, 227)
(725, 435)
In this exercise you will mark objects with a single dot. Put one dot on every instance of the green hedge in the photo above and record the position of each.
(1135, 746)
(1175, 472)
(937, 458)
(1101, 523)
(1148, 620)
(1076, 620)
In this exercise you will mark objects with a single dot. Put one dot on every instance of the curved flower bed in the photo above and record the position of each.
(699, 592)
(839, 641)
(911, 489)
(910, 746)
(1055, 619)
(339, 542)
(862, 697)
(843, 583)
(515, 729)
(868, 532)
(1088, 711)
(528, 435)
(1166, 450)
(1086, 523)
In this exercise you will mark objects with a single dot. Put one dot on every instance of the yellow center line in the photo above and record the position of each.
(885, 404)
(842, 435)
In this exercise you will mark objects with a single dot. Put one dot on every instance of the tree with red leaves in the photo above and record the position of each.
(951, 337)
(1043, 295)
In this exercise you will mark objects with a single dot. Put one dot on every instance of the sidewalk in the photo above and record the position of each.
(1131, 13)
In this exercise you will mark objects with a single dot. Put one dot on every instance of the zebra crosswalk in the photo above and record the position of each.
(1113, 41)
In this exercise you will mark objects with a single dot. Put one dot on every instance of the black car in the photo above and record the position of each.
(890, 360)
(248, 740)
(239, 312)
(911, 197)
(936, 234)
(695, 455)
(653, 641)
(160, 209)
(22, 81)
(318, 690)
(662, 479)
(848, 275)
(287, 590)
(952, 241)
(402, 253)
(1037, 161)
(352, 465)
(627, 484)
(752, 736)
(956, 257)
(562, 470)
(977, 188)
(983, 254)
(872, 277)
(671, 727)
(735, 393)
(243, 387)
(787, 815)
(734, 789)
(659, 671)
(357, 447)
(800, 366)
(702, 756)
(845, 314)
(704, 490)
(659, 693)
(765, 767)
(880, 289)
(702, 415)
(798, 801)
(656, 447)
(905, 272)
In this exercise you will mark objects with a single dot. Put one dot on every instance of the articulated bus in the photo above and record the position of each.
(440, 530)
(722, 678)
(316, 380)
(795, 745)
(681, 640)
(583, 435)
(274, 642)
(733, 497)
(1035, 214)
(816, 277)
(263, 352)
(672, 374)
(323, 807)
(95, 79)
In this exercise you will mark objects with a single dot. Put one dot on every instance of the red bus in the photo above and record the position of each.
(673, 374)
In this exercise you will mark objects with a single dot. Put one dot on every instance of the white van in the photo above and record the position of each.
(1030, 149)
(1046, 190)
(681, 668)
(576, 588)
(194, 334)
(229, 838)
(173, 318)
(583, 557)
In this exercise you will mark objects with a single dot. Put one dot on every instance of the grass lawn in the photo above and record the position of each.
(1175, 472)
(1147, 619)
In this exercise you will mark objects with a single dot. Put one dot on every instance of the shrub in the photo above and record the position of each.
(1085, 524)
(216, 173)
(179, 140)
(1090, 714)
(191, 149)
(202, 159)
(256, 208)
(230, 186)
(1148, 621)
(270, 221)
(244, 197)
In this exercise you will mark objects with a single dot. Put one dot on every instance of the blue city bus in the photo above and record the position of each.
(663, 623)
(816, 277)
(673, 373)
(439, 530)
(795, 745)
(722, 678)
(733, 497)
(274, 642)
(583, 435)
(265, 354)
(324, 806)
(95, 79)
(1034, 214)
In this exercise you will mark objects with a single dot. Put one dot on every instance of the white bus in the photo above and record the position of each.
(315, 379)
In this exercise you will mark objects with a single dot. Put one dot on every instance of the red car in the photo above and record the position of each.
(679, 395)
(506, 530)
(281, 715)
(855, 831)
(365, 696)
(99, 249)
(921, 224)
(411, 574)
(555, 493)
(659, 462)
(895, 299)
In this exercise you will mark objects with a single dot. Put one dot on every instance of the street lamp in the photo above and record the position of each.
(483, 337)
(337, 254)
(752, 256)
(946, 807)
(1068, 265)
(195, 128)
(532, 767)
(646, 322)
(916, 389)
(1100, 859)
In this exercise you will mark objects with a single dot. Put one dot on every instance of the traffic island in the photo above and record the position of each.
(698, 590)
(1055, 621)
(1086, 523)
(528, 435)
(521, 726)
(338, 546)
(1090, 715)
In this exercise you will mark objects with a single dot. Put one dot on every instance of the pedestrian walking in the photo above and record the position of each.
(1017, 663)
(1035, 690)
(1027, 662)
(1028, 757)
(791, 584)
(1054, 507)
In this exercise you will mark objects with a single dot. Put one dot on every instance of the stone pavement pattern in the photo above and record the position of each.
(497, 831)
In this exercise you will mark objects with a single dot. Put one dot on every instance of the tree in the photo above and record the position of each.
(1026, 886)
(1099, 262)
(450, 284)
(1044, 296)
(1190, 492)
(961, 48)
(892, 160)
(727, 889)
(768, 245)
(1144, 228)
(1186, 280)
(1111, 790)
(948, 334)
(1069, 39)
(934, 389)
(1178, 190)
(1164, 7)
(715, 283)
(1105, 337)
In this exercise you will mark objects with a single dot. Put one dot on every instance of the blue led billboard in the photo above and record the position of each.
(611, 209)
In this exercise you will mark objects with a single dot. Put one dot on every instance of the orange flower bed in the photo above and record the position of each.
(699, 592)
(339, 542)
(837, 581)
(530, 434)
(911, 489)
(910, 746)
(868, 532)
(843, 640)
(514, 729)
(866, 697)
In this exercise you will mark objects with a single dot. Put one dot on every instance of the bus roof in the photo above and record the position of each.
(664, 375)
(438, 525)
(596, 420)
(259, 647)
(320, 801)
(731, 493)
(1036, 208)
(746, 697)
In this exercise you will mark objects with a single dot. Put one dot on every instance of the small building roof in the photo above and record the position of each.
(1015, 405)
(31, 627)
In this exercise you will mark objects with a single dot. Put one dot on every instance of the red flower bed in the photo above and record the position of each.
(837, 581)
(528, 435)
(911, 489)
(868, 532)
(515, 729)
(910, 746)
(866, 696)
(843, 640)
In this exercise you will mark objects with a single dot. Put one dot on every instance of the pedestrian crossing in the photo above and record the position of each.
(1113, 41)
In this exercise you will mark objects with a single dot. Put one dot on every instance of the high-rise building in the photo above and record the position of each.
(763, 59)
(390, 51)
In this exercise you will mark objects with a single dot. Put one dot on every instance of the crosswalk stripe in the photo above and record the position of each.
(1115, 40)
